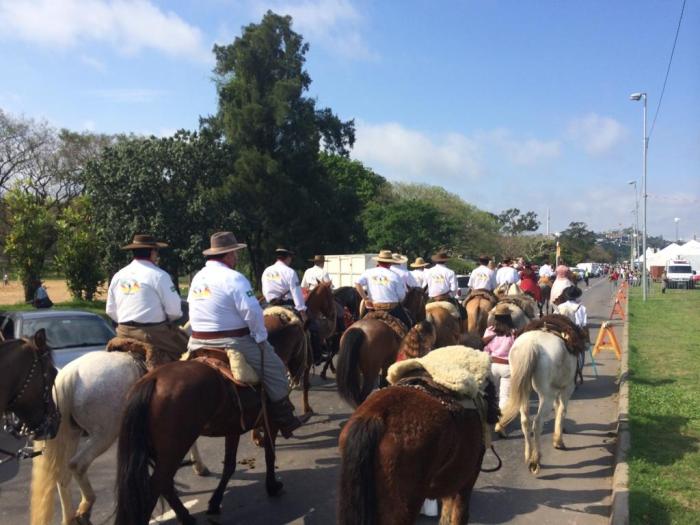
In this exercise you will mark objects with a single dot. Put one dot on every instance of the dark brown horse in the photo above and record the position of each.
(448, 328)
(348, 310)
(167, 410)
(402, 446)
(28, 376)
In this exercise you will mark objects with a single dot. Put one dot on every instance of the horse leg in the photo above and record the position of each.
(197, 464)
(307, 386)
(563, 401)
(64, 494)
(94, 447)
(231, 448)
(525, 426)
(446, 512)
(183, 515)
(272, 484)
(545, 407)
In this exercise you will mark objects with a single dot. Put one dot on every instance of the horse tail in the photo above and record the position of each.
(523, 361)
(134, 454)
(348, 370)
(358, 494)
(51, 466)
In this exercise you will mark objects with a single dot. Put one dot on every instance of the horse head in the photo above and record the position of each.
(414, 302)
(321, 301)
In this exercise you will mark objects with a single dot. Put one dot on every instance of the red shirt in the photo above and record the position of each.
(529, 285)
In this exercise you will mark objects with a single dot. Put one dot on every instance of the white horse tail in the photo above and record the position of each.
(523, 361)
(52, 464)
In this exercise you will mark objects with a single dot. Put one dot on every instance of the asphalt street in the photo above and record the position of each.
(573, 486)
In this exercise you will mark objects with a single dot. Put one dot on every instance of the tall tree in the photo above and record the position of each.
(576, 242)
(277, 131)
(514, 223)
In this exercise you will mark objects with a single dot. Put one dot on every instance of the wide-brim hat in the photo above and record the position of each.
(571, 293)
(318, 259)
(400, 259)
(144, 241)
(419, 263)
(223, 242)
(501, 310)
(283, 252)
(441, 256)
(385, 256)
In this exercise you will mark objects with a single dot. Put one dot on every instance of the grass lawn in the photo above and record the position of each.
(97, 307)
(664, 461)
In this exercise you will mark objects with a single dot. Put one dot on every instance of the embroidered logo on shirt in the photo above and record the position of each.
(129, 286)
(438, 279)
(380, 280)
(201, 292)
(273, 276)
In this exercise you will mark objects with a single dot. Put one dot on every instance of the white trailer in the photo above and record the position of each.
(345, 269)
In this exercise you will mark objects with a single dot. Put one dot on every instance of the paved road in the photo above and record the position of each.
(573, 485)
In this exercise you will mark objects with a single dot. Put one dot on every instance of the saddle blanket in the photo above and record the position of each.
(446, 305)
(238, 369)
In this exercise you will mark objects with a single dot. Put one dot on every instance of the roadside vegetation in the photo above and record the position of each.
(664, 368)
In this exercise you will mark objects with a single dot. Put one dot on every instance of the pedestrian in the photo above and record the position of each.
(315, 275)
(144, 302)
(498, 340)
(418, 271)
(586, 277)
(224, 313)
(483, 277)
(6, 279)
(41, 296)
(506, 274)
(614, 276)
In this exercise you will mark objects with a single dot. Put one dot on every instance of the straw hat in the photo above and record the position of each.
(318, 259)
(144, 241)
(223, 242)
(283, 252)
(419, 263)
(440, 256)
(385, 256)
(400, 259)
(502, 310)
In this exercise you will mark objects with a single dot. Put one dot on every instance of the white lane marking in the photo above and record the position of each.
(171, 513)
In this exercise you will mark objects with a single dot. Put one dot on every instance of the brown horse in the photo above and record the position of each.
(369, 347)
(478, 304)
(167, 410)
(402, 446)
(414, 303)
(28, 377)
(448, 328)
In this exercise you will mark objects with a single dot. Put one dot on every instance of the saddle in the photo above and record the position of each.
(483, 294)
(286, 313)
(229, 362)
(392, 322)
(146, 355)
(575, 339)
(525, 302)
(446, 305)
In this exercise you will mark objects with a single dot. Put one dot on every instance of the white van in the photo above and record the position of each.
(679, 274)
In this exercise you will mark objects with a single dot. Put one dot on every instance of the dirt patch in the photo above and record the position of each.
(13, 293)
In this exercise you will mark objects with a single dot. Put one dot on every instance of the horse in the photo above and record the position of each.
(163, 417)
(539, 360)
(368, 348)
(348, 307)
(523, 309)
(445, 317)
(403, 445)
(507, 288)
(28, 378)
(545, 293)
(91, 393)
(414, 303)
(478, 304)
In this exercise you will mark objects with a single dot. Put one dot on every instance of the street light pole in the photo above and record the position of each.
(645, 282)
(636, 220)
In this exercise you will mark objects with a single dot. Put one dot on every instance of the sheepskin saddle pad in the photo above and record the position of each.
(526, 303)
(229, 362)
(287, 315)
(446, 305)
(392, 322)
(145, 354)
(574, 338)
(460, 369)
(481, 294)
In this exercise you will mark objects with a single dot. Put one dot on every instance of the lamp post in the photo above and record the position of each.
(677, 220)
(645, 284)
(557, 255)
(636, 219)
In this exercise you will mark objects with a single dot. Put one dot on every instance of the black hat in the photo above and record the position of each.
(571, 292)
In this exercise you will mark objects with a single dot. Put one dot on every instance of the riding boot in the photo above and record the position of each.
(282, 414)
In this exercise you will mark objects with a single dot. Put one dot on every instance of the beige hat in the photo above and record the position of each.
(440, 256)
(419, 263)
(502, 309)
(318, 259)
(385, 256)
(400, 259)
(223, 242)
(144, 241)
(283, 252)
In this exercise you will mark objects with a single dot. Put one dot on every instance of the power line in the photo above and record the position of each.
(668, 70)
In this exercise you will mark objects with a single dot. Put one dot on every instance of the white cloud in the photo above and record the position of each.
(522, 152)
(334, 24)
(597, 134)
(128, 95)
(127, 25)
(94, 63)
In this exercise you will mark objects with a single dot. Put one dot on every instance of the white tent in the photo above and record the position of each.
(690, 251)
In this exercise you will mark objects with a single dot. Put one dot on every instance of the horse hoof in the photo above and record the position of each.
(560, 446)
(323, 376)
(275, 489)
(203, 472)
(534, 468)
(306, 415)
(213, 510)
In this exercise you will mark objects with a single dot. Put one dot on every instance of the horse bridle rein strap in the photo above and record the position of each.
(497, 467)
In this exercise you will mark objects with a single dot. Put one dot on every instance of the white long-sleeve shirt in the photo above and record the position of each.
(221, 299)
(279, 281)
(405, 276)
(482, 278)
(441, 280)
(574, 311)
(383, 285)
(315, 276)
(143, 293)
(507, 274)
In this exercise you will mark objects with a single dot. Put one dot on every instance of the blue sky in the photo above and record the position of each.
(506, 103)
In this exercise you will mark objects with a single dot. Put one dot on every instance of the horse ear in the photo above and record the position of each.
(39, 340)
(429, 317)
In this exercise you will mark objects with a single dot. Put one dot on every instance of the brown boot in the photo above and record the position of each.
(282, 414)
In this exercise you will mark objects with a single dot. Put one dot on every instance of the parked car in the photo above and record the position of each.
(69, 333)
(462, 286)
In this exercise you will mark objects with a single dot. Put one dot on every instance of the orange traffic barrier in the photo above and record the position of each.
(617, 309)
(607, 340)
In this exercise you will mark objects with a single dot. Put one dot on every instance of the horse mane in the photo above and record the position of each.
(395, 324)
(561, 326)
(419, 340)
(321, 299)
(414, 302)
(286, 315)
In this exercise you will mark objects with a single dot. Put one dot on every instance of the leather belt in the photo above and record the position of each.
(238, 332)
(138, 325)
(499, 360)
(384, 306)
(441, 297)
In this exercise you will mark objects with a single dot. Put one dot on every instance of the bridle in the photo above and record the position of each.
(51, 416)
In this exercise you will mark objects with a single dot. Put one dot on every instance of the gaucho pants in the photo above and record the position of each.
(275, 376)
(501, 377)
(165, 337)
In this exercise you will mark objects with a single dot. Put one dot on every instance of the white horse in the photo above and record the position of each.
(90, 393)
(541, 361)
(521, 312)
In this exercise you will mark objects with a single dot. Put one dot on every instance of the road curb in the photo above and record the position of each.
(619, 509)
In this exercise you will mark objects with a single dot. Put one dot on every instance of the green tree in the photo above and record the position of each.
(514, 223)
(276, 182)
(76, 246)
(31, 232)
(576, 242)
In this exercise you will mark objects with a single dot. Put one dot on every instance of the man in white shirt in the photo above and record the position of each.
(507, 274)
(419, 272)
(546, 271)
(385, 289)
(224, 313)
(280, 283)
(442, 282)
(144, 302)
(315, 275)
(483, 277)
(400, 270)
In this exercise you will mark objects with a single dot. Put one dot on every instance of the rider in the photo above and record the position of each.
(224, 313)
(399, 269)
(560, 283)
(385, 289)
(144, 302)
(442, 282)
(528, 282)
(506, 274)
(418, 273)
(546, 271)
(483, 278)
(315, 275)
